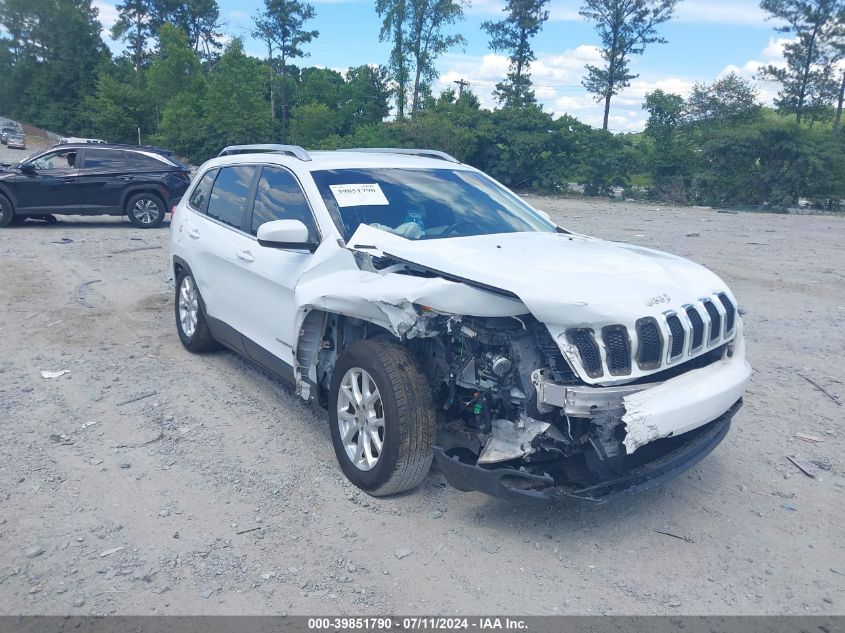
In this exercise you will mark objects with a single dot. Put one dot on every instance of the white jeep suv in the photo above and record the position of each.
(436, 314)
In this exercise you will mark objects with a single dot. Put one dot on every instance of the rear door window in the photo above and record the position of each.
(108, 159)
(229, 194)
(279, 197)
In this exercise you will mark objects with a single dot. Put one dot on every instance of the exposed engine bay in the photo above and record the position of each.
(530, 408)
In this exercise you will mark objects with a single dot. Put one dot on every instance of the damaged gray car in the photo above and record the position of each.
(437, 315)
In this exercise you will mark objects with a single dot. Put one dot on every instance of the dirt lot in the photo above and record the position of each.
(109, 506)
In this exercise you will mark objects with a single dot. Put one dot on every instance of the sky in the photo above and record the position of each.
(705, 40)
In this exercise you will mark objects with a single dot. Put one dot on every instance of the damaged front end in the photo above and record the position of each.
(530, 406)
(515, 419)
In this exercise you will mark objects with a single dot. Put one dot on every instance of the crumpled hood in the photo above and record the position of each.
(562, 279)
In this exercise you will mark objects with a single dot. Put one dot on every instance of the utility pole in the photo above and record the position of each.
(462, 83)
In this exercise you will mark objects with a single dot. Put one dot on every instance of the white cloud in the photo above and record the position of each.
(107, 14)
(557, 83)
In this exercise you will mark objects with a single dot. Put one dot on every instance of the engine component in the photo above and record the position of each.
(511, 440)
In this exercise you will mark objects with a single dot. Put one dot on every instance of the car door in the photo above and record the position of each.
(102, 179)
(268, 275)
(51, 186)
(214, 227)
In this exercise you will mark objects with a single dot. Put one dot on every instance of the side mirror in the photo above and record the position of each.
(28, 168)
(285, 234)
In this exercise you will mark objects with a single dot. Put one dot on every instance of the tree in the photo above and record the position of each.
(312, 123)
(134, 24)
(427, 41)
(365, 96)
(626, 27)
(393, 28)
(667, 159)
(725, 100)
(118, 107)
(177, 69)
(56, 49)
(282, 22)
(808, 81)
(234, 107)
(524, 20)
(198, 19)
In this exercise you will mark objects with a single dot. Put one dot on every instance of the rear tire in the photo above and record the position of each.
(145, 210)
(7, 212)
(191, 323)
(380, 400)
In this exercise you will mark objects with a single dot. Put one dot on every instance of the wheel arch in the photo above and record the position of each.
(322, 336)
(150, 188)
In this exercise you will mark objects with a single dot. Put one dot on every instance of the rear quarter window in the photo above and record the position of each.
(150, 161)
(201, 193)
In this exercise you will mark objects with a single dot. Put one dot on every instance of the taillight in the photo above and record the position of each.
(173, 212)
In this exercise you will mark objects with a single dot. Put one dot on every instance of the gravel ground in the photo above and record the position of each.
(216, 490)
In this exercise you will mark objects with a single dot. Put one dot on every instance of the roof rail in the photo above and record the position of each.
(428, 153)
(266, 148)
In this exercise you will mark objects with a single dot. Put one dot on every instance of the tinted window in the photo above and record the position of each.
(104, 159)
(229, 193)
(279, 198)
(150, 161)
(200, 194)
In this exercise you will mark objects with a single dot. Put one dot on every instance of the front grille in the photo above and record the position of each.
(587, 347)
(650, 343)
(672, 338)
(618, 349)
(715, 320)
(730, 312)
(697, 324)
(676, 347)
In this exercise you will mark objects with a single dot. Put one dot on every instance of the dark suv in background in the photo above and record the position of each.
(140, 182)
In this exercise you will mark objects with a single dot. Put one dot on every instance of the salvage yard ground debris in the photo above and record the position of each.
(221, 443)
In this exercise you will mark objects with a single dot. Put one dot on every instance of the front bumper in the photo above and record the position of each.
(509, 482)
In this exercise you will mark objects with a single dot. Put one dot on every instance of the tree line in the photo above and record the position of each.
(179, 86)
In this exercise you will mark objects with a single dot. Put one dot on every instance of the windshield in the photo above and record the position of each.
(424, 204)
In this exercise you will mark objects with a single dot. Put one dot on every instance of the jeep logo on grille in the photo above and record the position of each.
(664, 298)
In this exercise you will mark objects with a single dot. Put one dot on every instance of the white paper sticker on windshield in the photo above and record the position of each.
(358, 195)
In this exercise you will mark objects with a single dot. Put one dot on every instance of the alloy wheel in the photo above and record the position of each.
(146, 211)
(188, 306)
(360, 418)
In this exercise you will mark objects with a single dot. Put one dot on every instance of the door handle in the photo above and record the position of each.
(193, 233)
(70, 179)
(246, 256)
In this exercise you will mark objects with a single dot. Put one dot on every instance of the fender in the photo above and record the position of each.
(6, 190)
(156, 189)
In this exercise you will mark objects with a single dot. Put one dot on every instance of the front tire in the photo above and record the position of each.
(7, 213)
(191, 323)
(145, 210)
(382, 418)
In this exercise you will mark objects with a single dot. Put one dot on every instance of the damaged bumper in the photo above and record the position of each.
(681, 453)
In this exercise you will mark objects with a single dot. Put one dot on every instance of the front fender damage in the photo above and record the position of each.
(340, 284)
